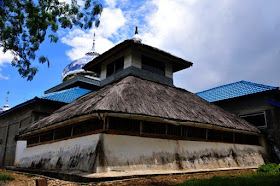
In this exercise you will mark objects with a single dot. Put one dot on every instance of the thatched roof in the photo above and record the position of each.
(133, 95)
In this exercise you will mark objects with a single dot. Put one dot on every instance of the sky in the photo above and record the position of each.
(227, 41)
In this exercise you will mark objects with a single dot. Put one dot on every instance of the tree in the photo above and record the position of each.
(24, 25)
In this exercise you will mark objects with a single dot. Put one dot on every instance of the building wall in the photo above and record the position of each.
(11, 123)
(254, 104)
(99, 153)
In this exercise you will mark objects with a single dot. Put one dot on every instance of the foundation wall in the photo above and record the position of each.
(99, 153)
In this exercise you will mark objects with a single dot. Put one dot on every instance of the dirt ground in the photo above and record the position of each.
(22, 179)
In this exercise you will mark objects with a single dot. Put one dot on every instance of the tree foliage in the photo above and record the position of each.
(24, 25)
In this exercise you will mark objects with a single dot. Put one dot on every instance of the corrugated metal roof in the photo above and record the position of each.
(232, 90)
(66, 96)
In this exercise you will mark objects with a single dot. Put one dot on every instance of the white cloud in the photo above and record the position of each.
(112, 19)
(5, 58)
(226, 40)
(3, 77)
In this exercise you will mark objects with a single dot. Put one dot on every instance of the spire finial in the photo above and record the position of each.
(136, 37)
(93, 52)
(7, 97)
(6, 106)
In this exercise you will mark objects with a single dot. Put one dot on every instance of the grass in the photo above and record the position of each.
(258, 178)
(29, 175)
(6, 177)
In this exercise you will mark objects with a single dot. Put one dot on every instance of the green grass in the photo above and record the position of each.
(258, 178)
(271, 167)
(5, 177)
(29, 175)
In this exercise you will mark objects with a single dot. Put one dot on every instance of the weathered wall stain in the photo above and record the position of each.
(105, 152)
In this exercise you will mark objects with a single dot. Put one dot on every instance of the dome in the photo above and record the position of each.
(76, 67)
(6, 107)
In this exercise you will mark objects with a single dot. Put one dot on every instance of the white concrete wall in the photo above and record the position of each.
(73, 154)
(103, 72)
(20, 147)
(127, 59)
(104, 152)
(129, 153)
(136, 60)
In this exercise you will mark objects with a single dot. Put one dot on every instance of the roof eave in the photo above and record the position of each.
(179, 64)
(135, 116)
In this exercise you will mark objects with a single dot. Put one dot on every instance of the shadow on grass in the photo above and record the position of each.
(258, 178)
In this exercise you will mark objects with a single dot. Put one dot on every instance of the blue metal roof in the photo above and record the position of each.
(66, 96)
(232, 90)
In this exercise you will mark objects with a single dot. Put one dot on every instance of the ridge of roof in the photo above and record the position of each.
(133, 95)
(232, 90)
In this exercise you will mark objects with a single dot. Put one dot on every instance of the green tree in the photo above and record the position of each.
(25, 24)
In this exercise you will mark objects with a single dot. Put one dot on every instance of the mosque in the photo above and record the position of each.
(134, 121)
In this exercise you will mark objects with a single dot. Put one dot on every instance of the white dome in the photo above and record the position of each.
(76, 67)
(6, 107)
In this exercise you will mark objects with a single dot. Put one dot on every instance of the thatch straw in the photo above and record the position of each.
(142, 97)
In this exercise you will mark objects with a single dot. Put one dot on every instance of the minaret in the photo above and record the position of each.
(136, 36)
(6, 106)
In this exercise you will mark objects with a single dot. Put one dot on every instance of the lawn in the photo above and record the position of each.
(257, 178)
(5, 177)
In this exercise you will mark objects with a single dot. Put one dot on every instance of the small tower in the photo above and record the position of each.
(134, 58)
(6, 106)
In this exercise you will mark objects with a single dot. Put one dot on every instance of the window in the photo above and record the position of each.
(33, 140)
(87, 126)
(124, 124)
(153, 65)
(62, 133)
(195, 132)
(215, 135)
(173, 130)
(257, 119)
(152, 127)
(115, 67)
(46, 137)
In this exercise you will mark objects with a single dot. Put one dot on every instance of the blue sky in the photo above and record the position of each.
(227, 41)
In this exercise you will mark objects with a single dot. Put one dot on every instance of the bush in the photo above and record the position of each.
(5, 177)
(271, 167)
(252, 179)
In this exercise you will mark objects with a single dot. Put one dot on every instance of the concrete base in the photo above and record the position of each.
(107, 155)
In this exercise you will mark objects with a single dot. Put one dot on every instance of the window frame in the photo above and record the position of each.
(243, 116)
(114, 64)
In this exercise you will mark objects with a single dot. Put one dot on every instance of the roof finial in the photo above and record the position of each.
(136, 37)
